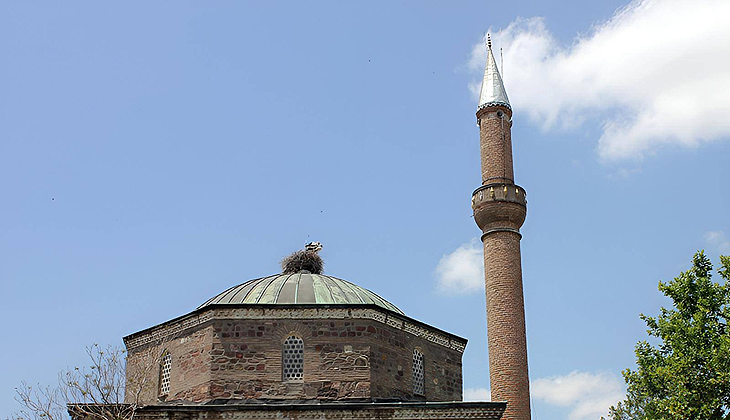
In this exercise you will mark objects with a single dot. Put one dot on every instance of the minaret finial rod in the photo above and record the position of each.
(492, 91)
(501, 60)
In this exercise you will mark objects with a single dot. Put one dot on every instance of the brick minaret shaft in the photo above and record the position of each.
(499, 211)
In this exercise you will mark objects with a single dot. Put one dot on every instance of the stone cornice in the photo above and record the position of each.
(331, 411)
(201, 316)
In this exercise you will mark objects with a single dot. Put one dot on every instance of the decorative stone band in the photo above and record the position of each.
(499, 192)
(167, 330)
(500, 229)
(494, 103)
(314, 311)
(331, 411)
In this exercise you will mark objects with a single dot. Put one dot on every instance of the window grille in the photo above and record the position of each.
(292, 359)
(165, 365)
(418, 381)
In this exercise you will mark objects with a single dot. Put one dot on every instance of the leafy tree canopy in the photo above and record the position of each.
(687, 374)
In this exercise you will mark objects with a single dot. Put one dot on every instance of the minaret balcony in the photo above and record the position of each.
(499, 207)
(498, 192)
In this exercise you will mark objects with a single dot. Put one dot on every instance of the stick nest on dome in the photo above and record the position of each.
(305, 260)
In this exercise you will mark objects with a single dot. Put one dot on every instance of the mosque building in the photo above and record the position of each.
(305, 345)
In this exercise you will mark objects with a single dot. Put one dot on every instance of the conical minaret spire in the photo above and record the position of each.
(492, 92)
(500, 208)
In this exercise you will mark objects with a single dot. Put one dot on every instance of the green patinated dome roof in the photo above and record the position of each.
(302, 287)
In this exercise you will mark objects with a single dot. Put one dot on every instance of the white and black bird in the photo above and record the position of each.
(313, 246)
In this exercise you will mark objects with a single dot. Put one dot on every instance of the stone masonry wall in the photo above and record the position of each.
(358, 359)
(343, 359)
(247, 358)
(392, 367)
(190, 370)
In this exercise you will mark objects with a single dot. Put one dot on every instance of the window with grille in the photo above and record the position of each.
(165, 365)
(292, 359)
(418, 373)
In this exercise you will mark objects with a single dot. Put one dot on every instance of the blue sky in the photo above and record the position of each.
(156, 154)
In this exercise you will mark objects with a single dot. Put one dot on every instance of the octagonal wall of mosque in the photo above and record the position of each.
(294, 353)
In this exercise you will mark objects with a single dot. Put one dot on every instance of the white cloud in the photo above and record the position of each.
(718, 240)
(462, 271)
(654, 74)
(586, 395)
(477, 394)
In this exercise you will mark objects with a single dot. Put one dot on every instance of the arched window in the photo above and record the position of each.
(165, 365)
(292, 359)
(418, 373)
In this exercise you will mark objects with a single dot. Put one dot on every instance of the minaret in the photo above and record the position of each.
(499, 211)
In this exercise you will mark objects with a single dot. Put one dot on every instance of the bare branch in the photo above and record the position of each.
(95, 391)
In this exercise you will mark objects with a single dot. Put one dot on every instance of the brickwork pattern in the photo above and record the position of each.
(508, 369)
(496, 145)
(500, 220)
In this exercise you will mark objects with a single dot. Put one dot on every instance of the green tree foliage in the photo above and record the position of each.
(687, 374)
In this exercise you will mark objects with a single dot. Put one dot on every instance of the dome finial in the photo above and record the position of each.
(489, 41)
(304, 260)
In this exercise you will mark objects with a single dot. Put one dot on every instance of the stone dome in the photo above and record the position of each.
(299, 288)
